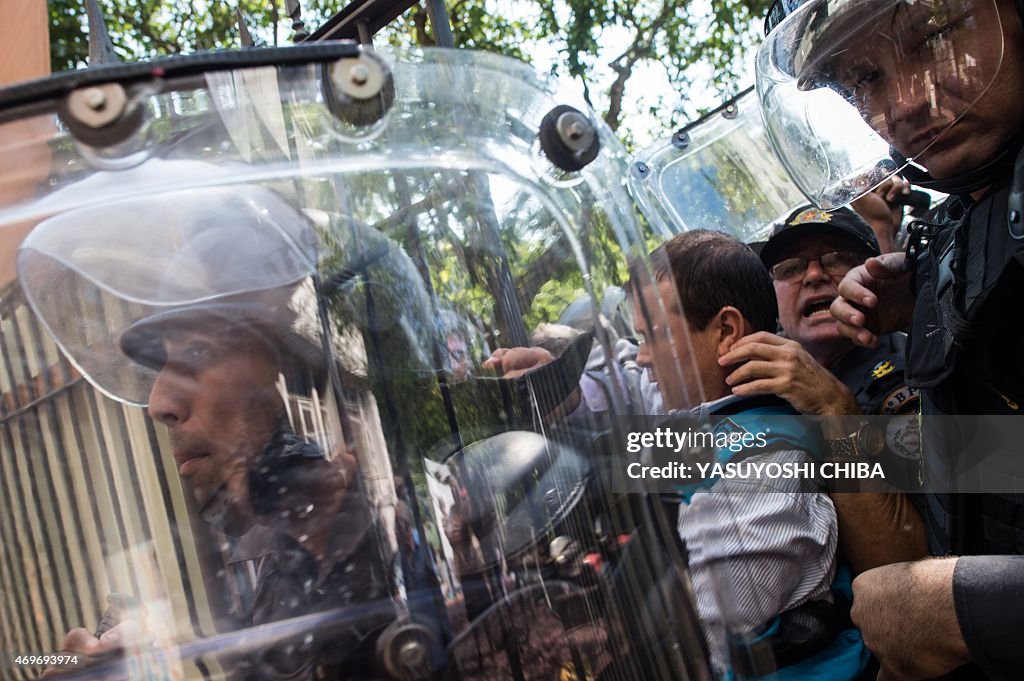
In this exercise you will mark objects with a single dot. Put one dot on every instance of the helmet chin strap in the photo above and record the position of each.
(970, 180)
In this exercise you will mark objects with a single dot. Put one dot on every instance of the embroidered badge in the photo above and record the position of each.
(811, 215)
(883, 368)
(900, 400)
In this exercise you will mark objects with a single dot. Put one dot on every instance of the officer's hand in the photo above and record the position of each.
(882, 201)
(874, 298)
(514, 362)
(893, 189)
(772, 365)
(906, 614)
(105, 649)
(881, 210)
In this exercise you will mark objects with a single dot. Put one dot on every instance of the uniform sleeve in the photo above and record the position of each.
(877, 378)
(988, 592)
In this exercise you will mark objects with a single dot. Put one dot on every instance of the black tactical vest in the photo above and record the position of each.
(964, 354)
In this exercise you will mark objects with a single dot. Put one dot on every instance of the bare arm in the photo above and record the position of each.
(874, 528)
(878, 529)
(907, 615)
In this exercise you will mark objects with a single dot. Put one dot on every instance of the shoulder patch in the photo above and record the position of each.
(883, 369)
(899, 401)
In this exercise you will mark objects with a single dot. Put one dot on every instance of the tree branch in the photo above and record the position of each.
(641, 48)
(419, 21)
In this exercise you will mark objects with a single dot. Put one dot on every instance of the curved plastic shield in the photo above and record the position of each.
(283, 376)
(854, 90)
(719, 173)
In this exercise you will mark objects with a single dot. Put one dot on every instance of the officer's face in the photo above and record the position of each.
(683, 361)
(924, 66)
(216, 395)
(804, 302)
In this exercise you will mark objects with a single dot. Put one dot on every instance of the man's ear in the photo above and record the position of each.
(731, 327)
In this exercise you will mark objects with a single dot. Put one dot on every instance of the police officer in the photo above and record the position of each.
(821, 372)
(921, 78)
(228, 371)
(807, 256)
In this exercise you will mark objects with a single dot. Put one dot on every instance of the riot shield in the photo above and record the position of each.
(269, 405)
(719, 172)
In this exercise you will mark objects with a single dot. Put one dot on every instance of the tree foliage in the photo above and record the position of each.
(142, 29)
(602, 44)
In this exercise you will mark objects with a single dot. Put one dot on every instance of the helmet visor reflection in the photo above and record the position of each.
(908, 71)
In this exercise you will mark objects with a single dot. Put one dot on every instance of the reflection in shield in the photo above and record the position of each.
(244, 381)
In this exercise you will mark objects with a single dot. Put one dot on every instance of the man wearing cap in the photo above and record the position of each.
(807, 256)
(820, 372)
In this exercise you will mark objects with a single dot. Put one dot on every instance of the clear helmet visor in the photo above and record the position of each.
(853, 91)
(251, 340)
(128, 269)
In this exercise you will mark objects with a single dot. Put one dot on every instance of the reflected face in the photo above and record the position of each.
(216, 395)
(921, 67)
(804, 302)
(681, 360)
(458, 356)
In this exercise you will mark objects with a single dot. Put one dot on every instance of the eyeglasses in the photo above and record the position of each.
(834, 264)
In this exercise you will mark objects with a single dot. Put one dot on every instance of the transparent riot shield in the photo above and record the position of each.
(271, 408)
(748, 473)
(719, 172)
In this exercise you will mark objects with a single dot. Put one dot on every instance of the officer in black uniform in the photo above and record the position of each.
(819, 371)
(874, 376)
(933, 99)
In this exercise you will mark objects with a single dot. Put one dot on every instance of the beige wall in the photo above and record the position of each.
(24, 41)
(24, 55)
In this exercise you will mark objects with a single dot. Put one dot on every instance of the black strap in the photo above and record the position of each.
(802, 632)
(971, 180)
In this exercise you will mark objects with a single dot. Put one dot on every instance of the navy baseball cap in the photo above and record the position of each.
(810, 221)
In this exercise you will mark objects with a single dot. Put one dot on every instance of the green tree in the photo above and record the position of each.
(602, 44)
(142, 29)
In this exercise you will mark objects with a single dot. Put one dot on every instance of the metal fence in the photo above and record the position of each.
(92, 505)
